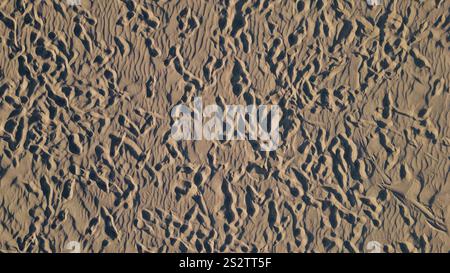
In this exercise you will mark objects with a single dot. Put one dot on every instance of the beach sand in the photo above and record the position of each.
(87, 162)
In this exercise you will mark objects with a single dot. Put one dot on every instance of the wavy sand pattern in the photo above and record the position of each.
(85, 148)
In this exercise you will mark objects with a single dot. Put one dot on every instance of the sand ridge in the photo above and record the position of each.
(86, 153)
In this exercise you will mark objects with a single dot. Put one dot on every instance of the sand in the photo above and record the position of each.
(87, 162)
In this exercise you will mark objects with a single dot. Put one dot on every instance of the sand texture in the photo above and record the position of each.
(86, 152)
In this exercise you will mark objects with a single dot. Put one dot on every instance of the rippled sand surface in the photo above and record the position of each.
(86, 153)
